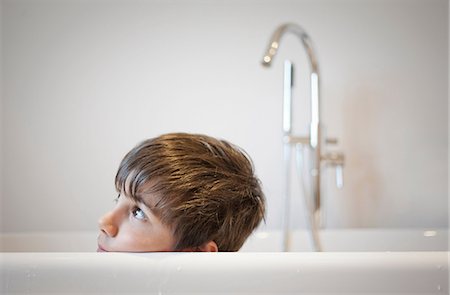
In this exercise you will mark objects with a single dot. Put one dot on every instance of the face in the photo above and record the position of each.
(132, 227)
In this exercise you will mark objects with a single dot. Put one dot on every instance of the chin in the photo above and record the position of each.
(101, 249)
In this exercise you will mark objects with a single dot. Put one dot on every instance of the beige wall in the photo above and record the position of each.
(84, 81)
(1, 112)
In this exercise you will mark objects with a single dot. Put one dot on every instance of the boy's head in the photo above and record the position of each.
(183, 192)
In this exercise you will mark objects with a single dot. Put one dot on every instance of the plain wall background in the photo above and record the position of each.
(84, 81)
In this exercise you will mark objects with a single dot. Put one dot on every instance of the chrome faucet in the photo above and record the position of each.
(314, 141)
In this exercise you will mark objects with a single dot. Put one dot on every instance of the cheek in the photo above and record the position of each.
(124, 241)
(146, 239)
(157, 240)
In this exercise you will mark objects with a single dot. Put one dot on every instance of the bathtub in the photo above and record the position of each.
(371, 262)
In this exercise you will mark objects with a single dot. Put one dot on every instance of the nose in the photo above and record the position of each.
(108, 224)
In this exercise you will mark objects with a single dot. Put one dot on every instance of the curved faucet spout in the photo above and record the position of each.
(314, 139)
(274, 44)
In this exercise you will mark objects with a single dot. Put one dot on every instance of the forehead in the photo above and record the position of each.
(138, 189)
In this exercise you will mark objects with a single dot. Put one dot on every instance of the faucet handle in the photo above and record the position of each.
(332, 140)
(336, 160)
(339, 176)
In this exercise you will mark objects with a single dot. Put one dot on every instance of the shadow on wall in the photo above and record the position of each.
(360, 125)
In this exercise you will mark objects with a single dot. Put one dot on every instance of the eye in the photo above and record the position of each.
(116, 200)
(138, 213)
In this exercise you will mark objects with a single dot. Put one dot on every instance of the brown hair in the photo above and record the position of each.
(203, 188)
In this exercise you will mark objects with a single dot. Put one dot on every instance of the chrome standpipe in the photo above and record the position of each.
(313, 141)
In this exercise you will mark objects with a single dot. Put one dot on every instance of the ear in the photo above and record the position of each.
(210, 246)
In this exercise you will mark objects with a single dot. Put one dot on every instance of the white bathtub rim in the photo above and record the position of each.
(246, 273)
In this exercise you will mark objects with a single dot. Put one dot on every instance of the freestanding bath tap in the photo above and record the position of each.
(314, 141)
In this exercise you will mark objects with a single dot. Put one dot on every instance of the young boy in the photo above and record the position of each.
(183, 192)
